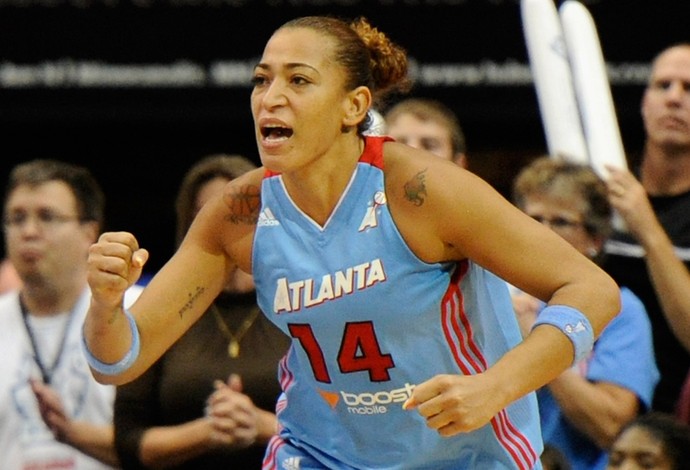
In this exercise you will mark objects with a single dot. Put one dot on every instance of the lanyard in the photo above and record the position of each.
(46, 372)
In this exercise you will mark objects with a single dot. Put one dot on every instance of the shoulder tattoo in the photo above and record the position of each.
(415, 188)
(244, 203)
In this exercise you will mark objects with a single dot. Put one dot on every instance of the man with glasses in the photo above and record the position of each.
(53, 414)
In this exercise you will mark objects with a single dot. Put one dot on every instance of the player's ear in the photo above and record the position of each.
(356, 104)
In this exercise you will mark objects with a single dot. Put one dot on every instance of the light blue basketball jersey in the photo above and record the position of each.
(369, 321)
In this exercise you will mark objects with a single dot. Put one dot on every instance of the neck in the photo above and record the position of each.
(665, 171)
(42, 301)
(316, 191)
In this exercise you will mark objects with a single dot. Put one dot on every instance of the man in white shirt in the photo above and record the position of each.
(53, 414)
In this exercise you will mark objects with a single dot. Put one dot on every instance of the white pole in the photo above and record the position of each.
(604, 143)
(553, 80)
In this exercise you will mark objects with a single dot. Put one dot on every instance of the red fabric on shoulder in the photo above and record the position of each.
(373, 150)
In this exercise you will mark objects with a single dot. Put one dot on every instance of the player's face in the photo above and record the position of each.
(299, 99)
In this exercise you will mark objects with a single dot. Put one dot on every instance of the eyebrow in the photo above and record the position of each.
(289, 66)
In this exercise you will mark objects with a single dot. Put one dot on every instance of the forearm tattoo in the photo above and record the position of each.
(244, 204)
(193, 297)
(113, 317)
(415, 189)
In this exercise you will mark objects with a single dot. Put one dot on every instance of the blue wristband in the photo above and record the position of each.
(124, 363)
(573, 323)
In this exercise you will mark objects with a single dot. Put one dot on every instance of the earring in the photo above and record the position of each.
(592, 252)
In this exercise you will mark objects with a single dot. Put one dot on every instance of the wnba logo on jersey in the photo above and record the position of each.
(369, 403)
(370, 220)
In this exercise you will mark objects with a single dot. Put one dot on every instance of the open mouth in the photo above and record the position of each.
(276, 133)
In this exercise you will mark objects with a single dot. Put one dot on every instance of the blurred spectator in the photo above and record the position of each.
(653, 441)
(54, 415)
(584, 408)
(429, 125)
(652, 256)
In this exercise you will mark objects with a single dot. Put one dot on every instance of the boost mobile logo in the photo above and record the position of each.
(368, 403)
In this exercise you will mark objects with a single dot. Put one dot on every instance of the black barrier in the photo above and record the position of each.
(139, 89)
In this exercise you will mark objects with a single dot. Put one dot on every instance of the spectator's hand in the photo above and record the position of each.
(233, 415)
(115, 263)
(52, 410)
(629, 198)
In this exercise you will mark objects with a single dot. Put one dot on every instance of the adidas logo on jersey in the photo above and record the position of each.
(291, 463)
(267, 219)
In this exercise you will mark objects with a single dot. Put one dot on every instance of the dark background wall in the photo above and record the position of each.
(139, 89)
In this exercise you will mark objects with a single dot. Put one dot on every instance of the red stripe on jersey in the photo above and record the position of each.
(458, 332)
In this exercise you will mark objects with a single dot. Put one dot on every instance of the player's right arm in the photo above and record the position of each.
(220, 237)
